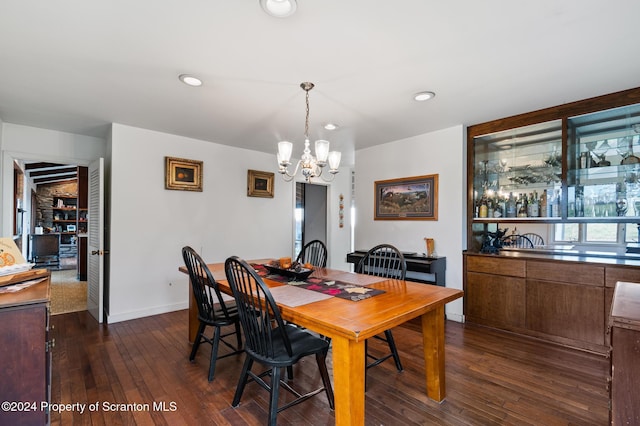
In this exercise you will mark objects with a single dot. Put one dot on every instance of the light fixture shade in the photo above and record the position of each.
(284, 151)
(322, 150)
(279, 8)
(334, 159)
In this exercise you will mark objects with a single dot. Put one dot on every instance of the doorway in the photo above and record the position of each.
(310, 214)
(57, 206)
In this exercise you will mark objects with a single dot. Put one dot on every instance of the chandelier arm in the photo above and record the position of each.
(284, 170)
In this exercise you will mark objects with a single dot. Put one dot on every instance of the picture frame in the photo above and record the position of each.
(182, 174)
(411, 198)
(260, 184)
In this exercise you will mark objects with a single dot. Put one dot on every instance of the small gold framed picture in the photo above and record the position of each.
(260, 184)
(182, 174)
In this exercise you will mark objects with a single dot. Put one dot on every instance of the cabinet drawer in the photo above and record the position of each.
(567, 272)
(497, 266)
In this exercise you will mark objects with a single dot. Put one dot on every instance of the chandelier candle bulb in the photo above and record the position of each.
(284, 152)
(322, 151)
(334, 161)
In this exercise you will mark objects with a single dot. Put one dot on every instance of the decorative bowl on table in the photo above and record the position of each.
(297, 271)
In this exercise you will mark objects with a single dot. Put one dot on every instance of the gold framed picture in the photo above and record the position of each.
(182, 174)
(260, 184)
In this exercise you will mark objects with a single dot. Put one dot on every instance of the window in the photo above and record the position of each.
(596, 233)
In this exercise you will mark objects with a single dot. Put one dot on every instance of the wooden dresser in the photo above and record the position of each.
(625, 354)
(25, 355)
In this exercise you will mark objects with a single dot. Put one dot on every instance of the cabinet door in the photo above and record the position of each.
(571, 311)
(625, 400)
(495, 300)
(24, 361)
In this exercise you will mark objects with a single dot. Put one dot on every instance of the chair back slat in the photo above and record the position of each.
(205, 288)
(385, 261)
(259, 315)
(315, 253)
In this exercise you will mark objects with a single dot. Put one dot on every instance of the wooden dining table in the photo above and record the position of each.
(349, 323)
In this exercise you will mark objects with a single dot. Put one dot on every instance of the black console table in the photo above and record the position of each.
(415, 263)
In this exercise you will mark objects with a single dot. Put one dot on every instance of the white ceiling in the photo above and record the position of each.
(78, 65)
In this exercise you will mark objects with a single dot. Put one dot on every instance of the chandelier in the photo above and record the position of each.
(311, 166)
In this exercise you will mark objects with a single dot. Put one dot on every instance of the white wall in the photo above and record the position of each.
(441, 153)
(31, 143)
(149, 224)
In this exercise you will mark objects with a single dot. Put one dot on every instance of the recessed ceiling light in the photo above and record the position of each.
(330, 126)
(423, 96)
(279, 8)
(190, 80)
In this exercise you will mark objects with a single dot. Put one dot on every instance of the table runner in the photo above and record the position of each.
(336, 288)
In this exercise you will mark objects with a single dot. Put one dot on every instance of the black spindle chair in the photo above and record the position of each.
(212, 310)
(269, 341)
(385, 261)
(315, 253)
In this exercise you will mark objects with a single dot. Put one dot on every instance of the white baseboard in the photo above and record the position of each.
(156, 310)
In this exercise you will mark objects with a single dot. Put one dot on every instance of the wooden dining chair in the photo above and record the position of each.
(315, 253)
(212, 310)
(270, 341)
(386, 261)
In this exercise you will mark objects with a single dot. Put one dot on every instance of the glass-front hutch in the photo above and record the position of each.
(573, 163)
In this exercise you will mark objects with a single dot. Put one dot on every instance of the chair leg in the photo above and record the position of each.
(273, 400)
(290, 372)
(394, 350)
(244, 376)
(196, 342)
(238, 335)
(214, 352)
(324, 373)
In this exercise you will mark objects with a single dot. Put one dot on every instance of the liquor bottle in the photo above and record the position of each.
(557, 201)
(490, 207)
(535, 205)
(518, 204)
(522, 211)
(543, 204)
(579, 201)
(484, 208)
(501, 211)
(511, 206)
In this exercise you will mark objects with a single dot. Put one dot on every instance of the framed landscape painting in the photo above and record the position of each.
(412, 198)
(183, 174)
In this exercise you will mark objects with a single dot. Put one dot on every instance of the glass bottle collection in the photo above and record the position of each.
(495, 205)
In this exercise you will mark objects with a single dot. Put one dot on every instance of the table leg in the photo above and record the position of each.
(348, 381)
(433, 344)
(193, 316)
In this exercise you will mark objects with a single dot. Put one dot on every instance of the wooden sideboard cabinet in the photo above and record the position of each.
(563, 301)
(25, 355)
(625, 354)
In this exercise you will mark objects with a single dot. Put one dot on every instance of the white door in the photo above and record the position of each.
(95, 245)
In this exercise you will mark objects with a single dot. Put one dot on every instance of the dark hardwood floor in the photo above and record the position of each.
(493, 378)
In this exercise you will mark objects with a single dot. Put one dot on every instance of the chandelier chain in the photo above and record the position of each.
(306, 121)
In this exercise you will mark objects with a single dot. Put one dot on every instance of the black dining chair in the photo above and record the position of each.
(385, 261)
(536, 239)
(212, 310)
(315, 253)
(517, 241)
(269, 341)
